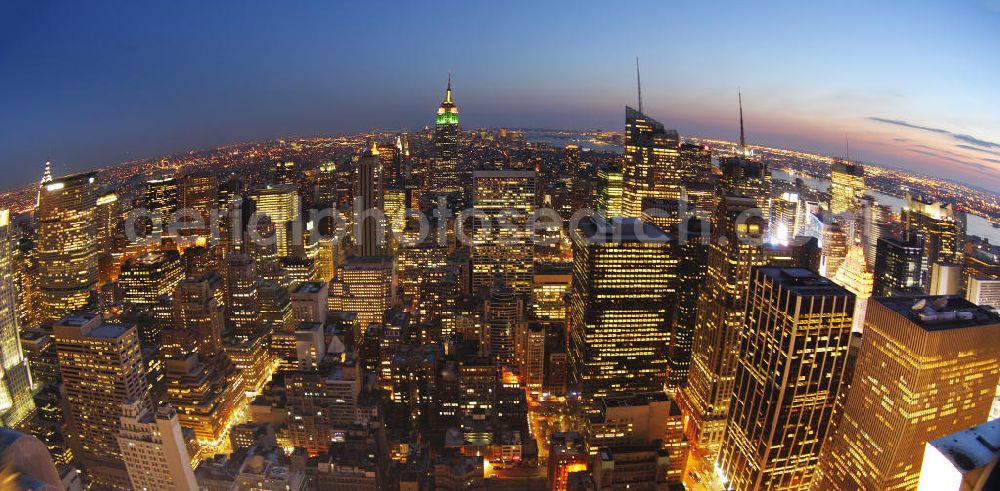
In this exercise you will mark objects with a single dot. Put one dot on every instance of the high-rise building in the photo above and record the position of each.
(146, 278)
(154, 450)
(16, 401)
(504, 310)
(67, 244)
(366, 285)
(858, 278)
(280, 203)
(733, 252)
(935, 224)
(927, 367)
(651, 168)
(876, 222)
(897, 267)
(446, 136)
(624, 281)
(609, 190)
(790, 361)
(983, 291)
(199, 192)
(847, 184)
(370, 231)
(835, 244)
(551, 285)
(502, 241)
(786, 217)
(102, 368)
(160, 198)
(242, 296)
(965, 460)
(692, 267)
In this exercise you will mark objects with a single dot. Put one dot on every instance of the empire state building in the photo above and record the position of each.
(446, 134)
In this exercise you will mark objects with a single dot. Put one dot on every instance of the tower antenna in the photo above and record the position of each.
(638, 82)
(743, 139)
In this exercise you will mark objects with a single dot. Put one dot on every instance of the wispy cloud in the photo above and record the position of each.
(966, 139)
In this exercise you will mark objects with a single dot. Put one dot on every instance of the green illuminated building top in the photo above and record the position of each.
(447, 111)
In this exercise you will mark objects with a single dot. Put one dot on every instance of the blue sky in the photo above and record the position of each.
(915, 85)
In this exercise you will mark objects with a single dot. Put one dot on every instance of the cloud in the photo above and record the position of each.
(977, 149)
(967, 139)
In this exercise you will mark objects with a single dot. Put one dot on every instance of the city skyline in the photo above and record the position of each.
(118, 90)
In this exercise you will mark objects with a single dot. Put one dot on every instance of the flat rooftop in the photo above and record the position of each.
(971, 448)
(620, 229)
(310, 287)
(939, 312)
(804, 282)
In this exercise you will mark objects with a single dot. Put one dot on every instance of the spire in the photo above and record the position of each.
(447, 93)
(47, 175)
(638, 82)
(743, 139)
(374, 148)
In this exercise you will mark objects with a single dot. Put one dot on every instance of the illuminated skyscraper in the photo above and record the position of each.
(847, 184)
(160, 197)
(369, 214)
(651, 167)
(446, 157)
(365, 285)
(15, 380)
(551, 286)
(897, 267)
(858, 278)
(153, 449)
(101, 368)
(693, 265)
(786, 217)
(242, 298)
(624, 280)
(199, 191)
(733, 252)
(147, 278)
(609, 190)
(281, 204)
(927, 367)
(502, 241)
(503, 312)
(67, 244)
(835, 243)
(935, 224)
(791, 357)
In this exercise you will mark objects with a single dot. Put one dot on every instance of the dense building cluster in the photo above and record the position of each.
(465, 310)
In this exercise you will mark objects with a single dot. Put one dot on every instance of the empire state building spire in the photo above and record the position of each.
(47, 175)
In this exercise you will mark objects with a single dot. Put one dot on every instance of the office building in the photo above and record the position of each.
(147, 278)
(370, 227)
(946, 279)
(624, 282)
(502, 237)
(898, 266)
(366, 285)
(965, 460)
(102, 368)
(242, 298)
(847, 184)
(446, 173)
(984, 292)
(609, 190)
(928, 366)
(855, 275)
(154, 450)
(789, 366)
(67, 244)
(160, 199)
(692, 267)
(934, 223)
(281, 206)
(732, 254)
(16, 402)
(651, 168)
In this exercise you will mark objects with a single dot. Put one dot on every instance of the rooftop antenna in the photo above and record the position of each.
(847, 146)
(638, 82)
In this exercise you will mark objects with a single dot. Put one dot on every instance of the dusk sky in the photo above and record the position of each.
(914, 85)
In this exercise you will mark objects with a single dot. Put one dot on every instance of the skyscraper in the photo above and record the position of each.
(67, 244)
(651, 167)
(282, 206)
(148, 277)
(16, 403)
(897, 267)
(609, 190)
(791, 356)
(160, 197)
(102, 368)
(153, 449)
(733, 252)
(365, 285)
(242, 296)
(369, 214)
(624, 282)
(692, 267)
(847, 183)
(928, 366)
(446, 136)
(935, 224)
(502, 241)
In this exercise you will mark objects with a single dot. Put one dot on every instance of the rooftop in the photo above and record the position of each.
(620, 229)
(939, 312)
(971, 448)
